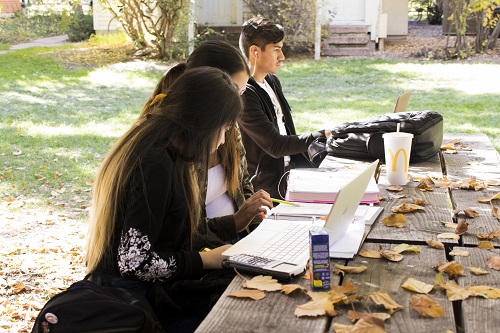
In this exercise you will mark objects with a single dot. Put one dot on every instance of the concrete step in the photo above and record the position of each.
(348, 39)
(346, 51)
(347, 29)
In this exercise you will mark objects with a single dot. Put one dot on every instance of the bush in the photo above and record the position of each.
(81, 26)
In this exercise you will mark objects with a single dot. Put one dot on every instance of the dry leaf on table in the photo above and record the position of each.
(394, 220)
(248, 293)
(382, 298)
(350, 269)
(355, 315)
(485, 291)
(462, 227)
(290, 288)
(454, 292)
(315, 308)
(426, 306)
(370, 254)
(468, 213)
(406, 247)
(391, 255)
(493, 263)
(406, 208)
(495, 213)
(459, 253)
(434, 243)
(485, 245)
(451, 267)
(478, 271)
(395, 188)
(264, 283)
(448, 235)
(419, 202)
(417, 286)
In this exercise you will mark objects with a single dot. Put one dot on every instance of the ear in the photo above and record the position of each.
(254, 50)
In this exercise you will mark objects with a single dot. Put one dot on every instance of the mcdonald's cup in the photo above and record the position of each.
(397, 146)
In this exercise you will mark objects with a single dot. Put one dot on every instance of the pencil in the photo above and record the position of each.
(284, 202)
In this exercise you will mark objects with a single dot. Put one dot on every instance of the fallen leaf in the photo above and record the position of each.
(417, 286)
(398, 196)
(468, 213)
(434, 243)
(419, 202)
(495, 213)
(451, 267)
(391, 255)
(370, 254)
(355, 315)
(454, 292)
(485, 245)
(351, 269)
(406, 247)
(450, 225)
(406, 208)
(339, 328)
(395, 188)
(492, 182)
(494, 234)
(426, 306)
(315, 308)
(462, 227)
(394, 220)
(448, 235)
(248, 293)
(493, 263)
(382, 298)
(478, 271)
(347, 288)
(369, 324)
(459, 253)
(264, 283)
(485, 291)
(290, 288)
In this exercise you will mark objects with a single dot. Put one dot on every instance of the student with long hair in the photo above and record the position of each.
(146, 198)
(230, 208)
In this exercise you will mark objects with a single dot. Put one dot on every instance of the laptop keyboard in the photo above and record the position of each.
(292, 242)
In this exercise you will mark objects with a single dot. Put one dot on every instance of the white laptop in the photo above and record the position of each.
(280, 248)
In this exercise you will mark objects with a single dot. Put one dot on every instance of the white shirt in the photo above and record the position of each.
(277, 109)
(218, 202)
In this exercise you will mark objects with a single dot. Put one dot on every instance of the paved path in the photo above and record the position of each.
(48, 41)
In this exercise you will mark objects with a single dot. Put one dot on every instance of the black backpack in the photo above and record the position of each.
(86, 307)
(363, 139)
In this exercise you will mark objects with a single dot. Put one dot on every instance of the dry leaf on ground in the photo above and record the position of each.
(426, 306)
(417, 286)
(248, 293)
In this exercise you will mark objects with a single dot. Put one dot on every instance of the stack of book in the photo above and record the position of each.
(323, 185)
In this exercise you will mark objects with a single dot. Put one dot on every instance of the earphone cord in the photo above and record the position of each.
(279, 185)
(254, 65)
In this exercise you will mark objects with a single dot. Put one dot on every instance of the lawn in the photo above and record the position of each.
(58, 120)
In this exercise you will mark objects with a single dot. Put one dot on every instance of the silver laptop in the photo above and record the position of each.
(280, 248)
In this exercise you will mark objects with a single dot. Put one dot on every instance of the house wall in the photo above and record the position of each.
(9, 7)
(397, 17)
(103, 20)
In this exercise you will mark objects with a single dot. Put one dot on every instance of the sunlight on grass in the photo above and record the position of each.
(106, 77)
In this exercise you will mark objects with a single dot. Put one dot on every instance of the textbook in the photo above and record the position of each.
(322, 185)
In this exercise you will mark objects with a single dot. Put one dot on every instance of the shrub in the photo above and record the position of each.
(81, 26)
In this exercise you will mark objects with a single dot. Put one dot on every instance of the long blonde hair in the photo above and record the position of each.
(186, 121)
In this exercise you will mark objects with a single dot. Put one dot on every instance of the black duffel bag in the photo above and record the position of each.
(363, 139)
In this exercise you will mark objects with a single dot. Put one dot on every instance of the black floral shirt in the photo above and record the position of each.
(151, 237)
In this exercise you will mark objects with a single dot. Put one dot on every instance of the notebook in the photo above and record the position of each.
(322, 185)
(280, 248)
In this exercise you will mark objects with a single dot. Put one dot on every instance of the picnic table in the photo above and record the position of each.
(475, 157)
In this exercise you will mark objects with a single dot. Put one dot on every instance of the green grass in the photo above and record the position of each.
(56, 124)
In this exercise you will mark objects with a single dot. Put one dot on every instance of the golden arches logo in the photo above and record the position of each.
(394, 158)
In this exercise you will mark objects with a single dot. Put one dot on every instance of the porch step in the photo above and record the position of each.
(347, 40)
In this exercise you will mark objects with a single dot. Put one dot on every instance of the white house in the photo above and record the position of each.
(358, 25)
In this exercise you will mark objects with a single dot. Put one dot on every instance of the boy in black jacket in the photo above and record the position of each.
(267, 128)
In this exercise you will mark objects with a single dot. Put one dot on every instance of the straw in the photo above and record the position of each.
(398, 127)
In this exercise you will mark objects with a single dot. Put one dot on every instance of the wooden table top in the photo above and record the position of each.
(475, 159)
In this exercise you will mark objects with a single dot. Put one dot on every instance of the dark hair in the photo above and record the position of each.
(261, 32)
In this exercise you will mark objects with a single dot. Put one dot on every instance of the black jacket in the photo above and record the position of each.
(264, 144)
